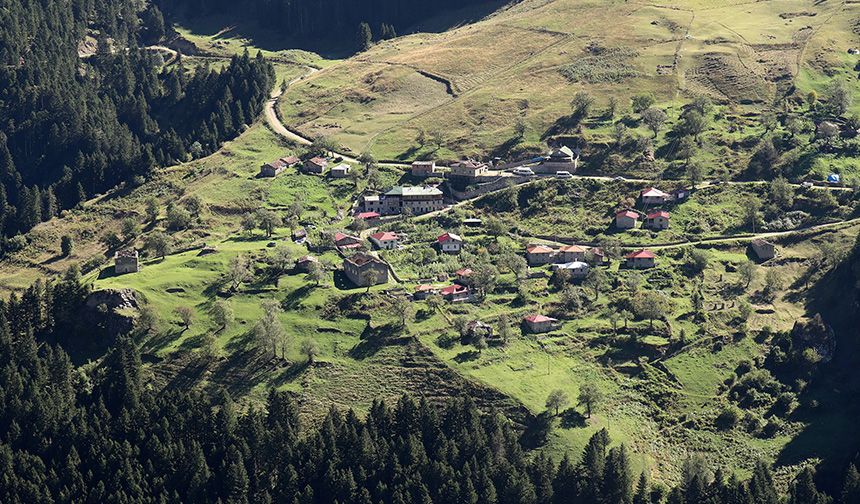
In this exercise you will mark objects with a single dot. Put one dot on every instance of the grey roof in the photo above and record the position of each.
(413, 191)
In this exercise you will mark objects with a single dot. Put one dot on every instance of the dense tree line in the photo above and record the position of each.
(72, 126)
(336, 20)
(104, 435)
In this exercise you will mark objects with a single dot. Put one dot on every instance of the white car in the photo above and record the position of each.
(563, 174)
(619, 178)
(523, 171)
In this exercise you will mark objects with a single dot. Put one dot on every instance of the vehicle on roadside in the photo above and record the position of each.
(619, 178)
(563, 174)
(807, 185)
(523, 171)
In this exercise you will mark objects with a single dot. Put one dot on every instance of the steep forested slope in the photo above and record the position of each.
(332, 19)
(72, 126)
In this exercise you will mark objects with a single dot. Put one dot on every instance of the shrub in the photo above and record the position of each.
(728, 417)
(773, 427)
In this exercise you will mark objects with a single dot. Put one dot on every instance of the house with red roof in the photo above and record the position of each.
(658, 219)
(653, 196)
(424, 291)
(538, 255)
(367, 217)
(626, 219)
(463, 276)
(450, 243)
(571, 253)
(598, 256)
(455, 293)
(315, 165)
(385, 240)
(641, 259)
(345, 241)
(540, 323)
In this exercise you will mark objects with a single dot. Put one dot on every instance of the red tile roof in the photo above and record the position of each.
(641, 254)
(319, 161)
(535, 319)
(627, 213)
(367, 215)
(464, 272)
(424, 288)
(291, 160)
(658, 213)
(384, 236)
(449, 237)
(539, 249)
(653, 192)
(573, 248)
(453, 289)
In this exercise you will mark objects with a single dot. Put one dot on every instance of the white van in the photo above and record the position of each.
(564, 174)
(523, 171)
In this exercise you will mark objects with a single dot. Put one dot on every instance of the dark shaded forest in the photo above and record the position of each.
(106, 434)
(74, 125)
(332, 19)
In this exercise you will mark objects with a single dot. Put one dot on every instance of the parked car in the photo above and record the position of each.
(807, 185)
(523, 171)
(619, 178)
(563, 174)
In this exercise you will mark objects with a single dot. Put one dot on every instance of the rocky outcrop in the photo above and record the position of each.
(113, 310)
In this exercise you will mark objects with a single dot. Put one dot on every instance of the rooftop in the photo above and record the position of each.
(449, 237)
(641, 254)
(539, 249)
(384, 236)
(534, 319)
(413, 191)
(573, 248)
(653, 192)
(362, 259)
(627, 213)
(658, 213)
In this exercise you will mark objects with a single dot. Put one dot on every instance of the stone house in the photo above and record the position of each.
(345, 241)
(417, 199)
(537, 255)
(657, 220)
(763, 249)
(641, 259)
(424, 169)
(340, 171)
(538, 324)
(653, 196)
(577, 269)
(626, 219)
(570, 253)
(126, 261)
(305, 263)
(561, 159)
(316, 165)
(424, 291)
(365, 270)
(455, 293)
(469, 169)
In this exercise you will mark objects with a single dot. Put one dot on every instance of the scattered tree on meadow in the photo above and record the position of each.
(66, 245)
(590, 396)
(747, 272)
(267, 221)
(556, 400)
(152, 209)
(310, 350)
(222, 314)
(654, 118)
(651, 305)
(238, 271)
(839, 98)
(781, 193)
(158, 243)
(695, 174)
(597, 280)
(581, 104)
(269, 332)
(750, 208)
(642, 102)
(186, 315)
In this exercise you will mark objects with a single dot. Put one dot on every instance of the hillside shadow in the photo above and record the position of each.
(294, 298)
(275, 38)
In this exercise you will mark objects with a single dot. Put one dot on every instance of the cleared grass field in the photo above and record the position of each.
(506, 68)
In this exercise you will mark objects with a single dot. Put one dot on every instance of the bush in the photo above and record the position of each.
(728, 417)
(773, 427)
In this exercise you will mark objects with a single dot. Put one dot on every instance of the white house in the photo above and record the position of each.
(385, 240)
(340, 171)
(577, 269)
(450, 243)
(653, 196)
